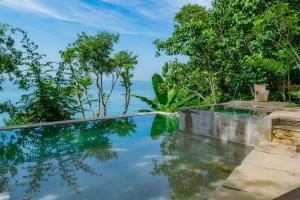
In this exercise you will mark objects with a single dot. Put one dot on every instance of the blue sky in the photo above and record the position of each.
(52, 24)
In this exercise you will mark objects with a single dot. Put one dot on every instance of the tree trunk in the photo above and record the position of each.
(283, 96)
(104, 110)
(127, 98)
(212, 86)
(105, 98)
(79, 103)
(78, 96)
(289, 84)
(99, 96)
(89, 103)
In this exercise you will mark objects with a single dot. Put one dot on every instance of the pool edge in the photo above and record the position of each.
(35, 125)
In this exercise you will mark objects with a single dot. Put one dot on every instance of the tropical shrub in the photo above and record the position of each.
(166, 99)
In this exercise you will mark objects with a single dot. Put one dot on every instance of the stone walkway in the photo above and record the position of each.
(269, 171)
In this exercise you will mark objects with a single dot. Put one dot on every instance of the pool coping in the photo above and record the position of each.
(36, 125)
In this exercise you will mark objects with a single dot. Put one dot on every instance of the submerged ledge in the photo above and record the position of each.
(35, 125)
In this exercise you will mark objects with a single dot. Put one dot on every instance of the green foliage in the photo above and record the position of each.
(48, 101)
(161, 94)
(91, 56)
(125, 62)
(167, 99)
(162, 125)
(14, 49)
(59, 92)
(232, 46)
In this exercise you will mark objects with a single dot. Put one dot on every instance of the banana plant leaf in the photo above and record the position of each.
(147, 101)
(162, 96)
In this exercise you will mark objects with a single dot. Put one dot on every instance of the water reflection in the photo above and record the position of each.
(162, 125)
(196, 166)
(131, 158)
(29, 157)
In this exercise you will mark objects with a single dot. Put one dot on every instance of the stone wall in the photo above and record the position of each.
(284, 136)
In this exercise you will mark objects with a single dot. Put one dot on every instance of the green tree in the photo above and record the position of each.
(21, 62)
(49, 101)
(14, 49)
(228, 45)
(193, 38)
(277, 35)
(70, 72)
(94, 54)
(126, 61)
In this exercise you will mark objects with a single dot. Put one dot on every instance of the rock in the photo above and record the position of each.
(276, 130)
(280, 136)
(289, 134)
(298, 148)
(296, 134)
(287, 142)
(297, 144)
(276, 140)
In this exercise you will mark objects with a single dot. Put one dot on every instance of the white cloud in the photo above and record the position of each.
(32, 6)
(153, 9)
(94, 15)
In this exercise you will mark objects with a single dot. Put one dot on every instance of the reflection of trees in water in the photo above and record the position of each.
(162, 125)
(195, 166)
(44, 152)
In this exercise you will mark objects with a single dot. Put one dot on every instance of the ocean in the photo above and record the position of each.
(115, 105)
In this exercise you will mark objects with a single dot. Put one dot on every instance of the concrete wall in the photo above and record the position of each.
(231, 127)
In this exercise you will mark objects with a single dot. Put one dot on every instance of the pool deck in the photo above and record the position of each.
(269, 171)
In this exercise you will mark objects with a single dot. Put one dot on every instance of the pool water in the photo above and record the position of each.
(235, 111)
(128, 158)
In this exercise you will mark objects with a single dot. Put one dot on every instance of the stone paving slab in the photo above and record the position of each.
(278, 149)
(293, 195)
(229, 194)
(269, 171)
(273, 161)
(261, 181)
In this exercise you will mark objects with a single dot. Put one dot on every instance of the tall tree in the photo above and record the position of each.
(192, 38)
(71, 72)
(94, 53)
(126, 61)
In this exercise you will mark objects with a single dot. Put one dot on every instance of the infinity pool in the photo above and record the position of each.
(128, 158)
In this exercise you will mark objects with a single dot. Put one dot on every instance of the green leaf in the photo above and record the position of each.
(162, 96)
(182, 102)
(147, 101)
(158, 126)
(172, 94)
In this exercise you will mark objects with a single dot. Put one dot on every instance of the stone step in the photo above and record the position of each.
(271, 161)
(261, 181)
